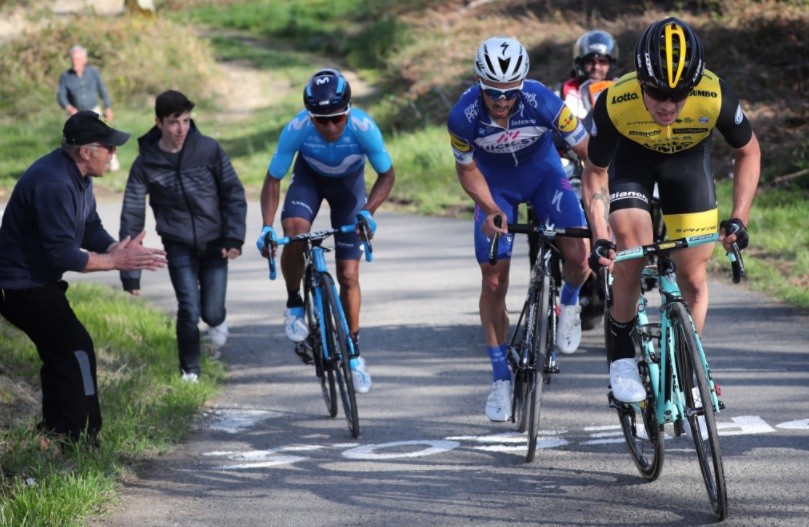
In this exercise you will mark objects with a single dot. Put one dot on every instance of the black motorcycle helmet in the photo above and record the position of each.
(669, 58)
(327, 92)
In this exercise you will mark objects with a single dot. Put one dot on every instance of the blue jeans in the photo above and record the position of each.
(200, 281)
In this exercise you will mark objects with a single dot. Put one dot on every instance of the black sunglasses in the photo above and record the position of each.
(109, 148)
(661, 96)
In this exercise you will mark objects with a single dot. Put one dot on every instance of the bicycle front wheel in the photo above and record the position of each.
(644, 436)
(536, 377)
(337, 342)
(699, 408)
(323, 368)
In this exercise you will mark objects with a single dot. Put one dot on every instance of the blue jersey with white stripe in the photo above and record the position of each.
(476, 137)
(346, 156)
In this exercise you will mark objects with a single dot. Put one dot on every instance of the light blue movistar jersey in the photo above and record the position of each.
(344, 157)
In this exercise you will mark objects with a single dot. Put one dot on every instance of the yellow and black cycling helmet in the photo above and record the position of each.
(669, 59)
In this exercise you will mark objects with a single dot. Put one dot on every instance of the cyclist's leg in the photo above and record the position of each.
(493, 310)
(692, 277)
(554, 198)
(631, 226)
(346, 197)
(301, 205)
(688, 200)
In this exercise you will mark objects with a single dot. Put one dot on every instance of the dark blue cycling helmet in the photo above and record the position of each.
(327, 92)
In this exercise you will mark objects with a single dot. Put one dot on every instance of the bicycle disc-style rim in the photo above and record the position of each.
(538, 362)
(521, 400)
(323, 368)
(699, 409)
(329, 390)
(340, 355)
(644, 437)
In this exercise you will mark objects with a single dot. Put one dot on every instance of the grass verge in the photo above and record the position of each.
(145, 406)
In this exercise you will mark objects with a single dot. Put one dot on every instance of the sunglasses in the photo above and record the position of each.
(109, 148)
(661, 96)
(334, 118)
(498, 94)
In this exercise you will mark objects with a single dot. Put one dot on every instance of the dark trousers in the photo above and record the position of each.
(200, 281)
(68, 374)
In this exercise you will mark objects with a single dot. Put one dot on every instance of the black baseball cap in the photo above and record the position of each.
(86, 126)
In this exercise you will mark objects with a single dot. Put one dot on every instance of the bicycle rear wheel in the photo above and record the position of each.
(323, 368)
(699, 408)
(337, 342)
(644, 436)
(535, 375)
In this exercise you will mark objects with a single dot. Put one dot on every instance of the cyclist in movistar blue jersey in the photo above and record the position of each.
(328, 141)
(500, 131)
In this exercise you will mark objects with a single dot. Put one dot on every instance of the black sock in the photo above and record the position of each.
(294, 298)
(620, 339)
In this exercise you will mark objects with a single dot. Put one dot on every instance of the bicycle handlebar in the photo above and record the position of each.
(320, 235)
(668, 247)
(527, 228)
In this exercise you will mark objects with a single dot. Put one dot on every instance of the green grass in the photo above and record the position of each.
(145, 406)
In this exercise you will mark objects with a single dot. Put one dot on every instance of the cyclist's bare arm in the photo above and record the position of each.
(596, 194)
(270, 196)
(475, 185)
(381, 189)
(746, 172)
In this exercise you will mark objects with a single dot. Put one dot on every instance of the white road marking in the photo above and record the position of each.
(369, 452)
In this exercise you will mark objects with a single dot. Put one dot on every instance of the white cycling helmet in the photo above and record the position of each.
(501, 59)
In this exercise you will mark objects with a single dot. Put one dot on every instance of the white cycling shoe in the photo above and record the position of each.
(360, 375)
(498, 404)
(568, 328)
(295, 325)
(625, 381)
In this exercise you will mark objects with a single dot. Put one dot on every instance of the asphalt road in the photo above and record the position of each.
(266, 453)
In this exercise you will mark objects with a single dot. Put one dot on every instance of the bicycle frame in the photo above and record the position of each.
(662, 366)
(329, 337)
(318, 274)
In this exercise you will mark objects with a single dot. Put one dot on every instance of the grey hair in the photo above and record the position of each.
(69, 149)
(78, 48)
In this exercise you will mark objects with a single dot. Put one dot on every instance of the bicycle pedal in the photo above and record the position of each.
(303, 353)
(552, 369)
(721, 405)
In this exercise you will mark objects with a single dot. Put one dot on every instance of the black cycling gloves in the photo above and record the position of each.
(601, 249)
(735, 226)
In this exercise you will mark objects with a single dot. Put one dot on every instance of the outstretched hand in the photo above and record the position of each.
(130, 255)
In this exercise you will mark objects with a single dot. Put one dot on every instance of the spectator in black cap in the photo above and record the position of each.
(49, 219)
(200, 212)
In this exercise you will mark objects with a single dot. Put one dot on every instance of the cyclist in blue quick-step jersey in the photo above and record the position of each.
(500, 130)
(331, 140)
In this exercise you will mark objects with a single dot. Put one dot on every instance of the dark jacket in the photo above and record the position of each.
(50, 217)
(198, 203)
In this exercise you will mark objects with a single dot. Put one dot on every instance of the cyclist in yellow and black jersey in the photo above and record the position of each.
(655, 126)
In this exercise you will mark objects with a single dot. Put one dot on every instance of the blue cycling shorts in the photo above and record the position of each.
(540, 182)
(345, 196)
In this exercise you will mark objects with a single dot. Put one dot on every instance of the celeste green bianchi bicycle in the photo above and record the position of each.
(328, 345)
(675, 373)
